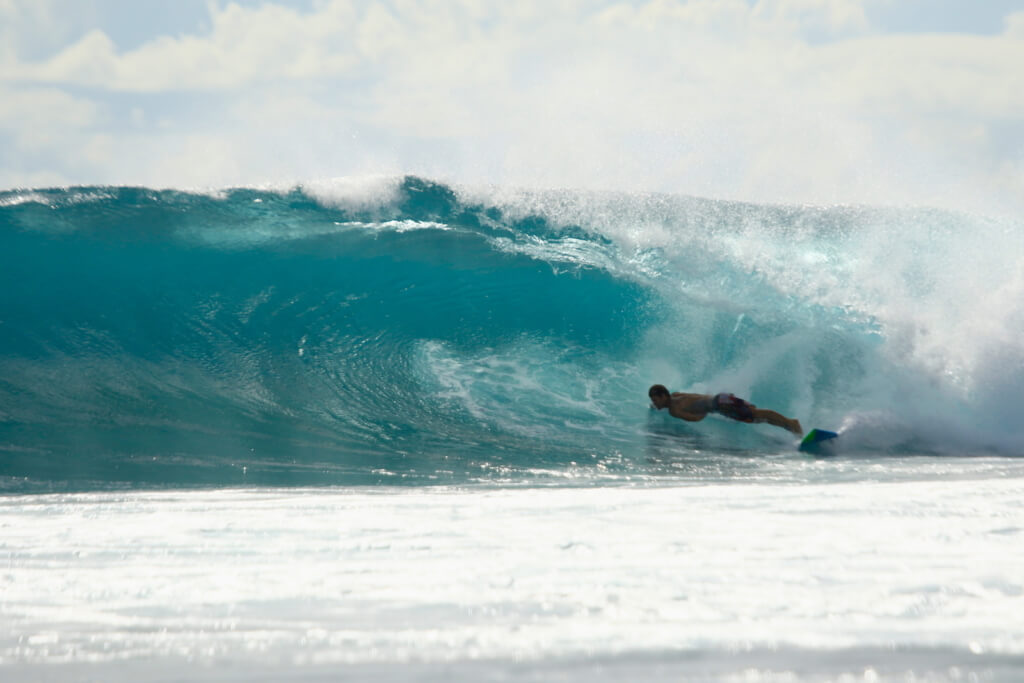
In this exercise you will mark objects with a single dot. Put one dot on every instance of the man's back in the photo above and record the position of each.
(690, 407)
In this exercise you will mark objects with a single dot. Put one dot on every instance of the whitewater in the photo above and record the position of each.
(396, 428)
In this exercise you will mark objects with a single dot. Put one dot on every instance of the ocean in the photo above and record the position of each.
(398, 429)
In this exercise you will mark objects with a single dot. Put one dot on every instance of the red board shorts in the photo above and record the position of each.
(732, 407)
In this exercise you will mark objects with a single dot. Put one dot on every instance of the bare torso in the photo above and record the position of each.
(690, 407)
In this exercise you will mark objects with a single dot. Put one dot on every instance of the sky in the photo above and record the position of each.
(881, 102)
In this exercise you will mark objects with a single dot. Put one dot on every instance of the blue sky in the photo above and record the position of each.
(816, 101)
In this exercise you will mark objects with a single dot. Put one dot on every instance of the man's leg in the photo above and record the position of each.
(774, 418)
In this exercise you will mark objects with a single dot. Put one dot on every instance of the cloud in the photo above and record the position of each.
(271, 42)
(780, 100)
(28, 26)
(244, 46)
(33, 111)
(824, 18)
(46, 128)
(1015, 26)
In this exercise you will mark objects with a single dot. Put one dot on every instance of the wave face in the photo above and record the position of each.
(401, 330)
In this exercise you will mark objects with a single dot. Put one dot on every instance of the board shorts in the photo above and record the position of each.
(732, 407)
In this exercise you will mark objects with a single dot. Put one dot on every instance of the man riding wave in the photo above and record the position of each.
(695, 407)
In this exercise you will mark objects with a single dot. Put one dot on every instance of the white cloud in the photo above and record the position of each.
(49, 125)
(244, 46)
(31, 111)
(1015, 26)
(827, 18)
(30, 25)
(783, 100)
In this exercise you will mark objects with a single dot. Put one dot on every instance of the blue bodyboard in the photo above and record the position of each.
(819, 442)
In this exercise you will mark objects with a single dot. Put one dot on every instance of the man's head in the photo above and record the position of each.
(659, 396)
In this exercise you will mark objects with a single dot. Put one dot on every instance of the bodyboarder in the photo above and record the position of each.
(695, 407)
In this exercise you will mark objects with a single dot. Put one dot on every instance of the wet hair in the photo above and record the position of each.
(657, 390)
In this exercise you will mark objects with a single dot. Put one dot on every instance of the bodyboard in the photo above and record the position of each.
(819, 442)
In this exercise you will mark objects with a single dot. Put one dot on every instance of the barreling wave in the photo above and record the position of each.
(393, 330)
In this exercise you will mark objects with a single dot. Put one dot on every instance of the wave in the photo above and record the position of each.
(400, 329)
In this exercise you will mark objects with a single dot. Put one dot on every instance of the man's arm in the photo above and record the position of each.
(689, 417)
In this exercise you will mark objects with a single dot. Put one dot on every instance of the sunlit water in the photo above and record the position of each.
(800, 570)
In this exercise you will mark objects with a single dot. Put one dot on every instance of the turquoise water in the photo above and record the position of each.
(401, 331)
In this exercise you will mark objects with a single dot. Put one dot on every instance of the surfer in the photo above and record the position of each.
(695, 407)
